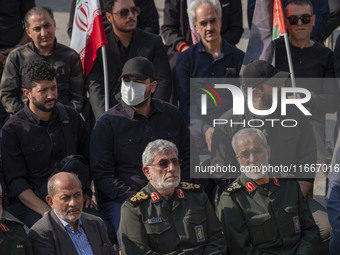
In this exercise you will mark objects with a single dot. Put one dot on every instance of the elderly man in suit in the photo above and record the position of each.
(126, 41)
(65, 229)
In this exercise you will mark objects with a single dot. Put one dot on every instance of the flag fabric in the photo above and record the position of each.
(268, 24)
(88, 32)
(194, 35)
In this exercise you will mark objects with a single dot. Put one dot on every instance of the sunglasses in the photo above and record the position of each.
(305, 19)
(123, 13)
(164, 163)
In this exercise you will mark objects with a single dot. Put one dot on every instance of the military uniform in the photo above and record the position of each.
(269, 219)
(13, 238)
(184, 223)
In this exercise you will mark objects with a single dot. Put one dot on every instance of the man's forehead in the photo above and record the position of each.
(165, 154)
(205, 9)
(249, 139)
(123, 4)
(293, 9)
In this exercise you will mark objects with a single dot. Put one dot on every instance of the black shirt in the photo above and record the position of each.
(118, 142)
(29, 147)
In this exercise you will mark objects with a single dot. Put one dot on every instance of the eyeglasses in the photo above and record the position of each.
(123, 13)
(305, 19)
(245, 155)
(204, 23)
(164, 163)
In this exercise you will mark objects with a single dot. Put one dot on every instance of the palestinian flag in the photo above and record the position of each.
(268, 24)
(88, 32)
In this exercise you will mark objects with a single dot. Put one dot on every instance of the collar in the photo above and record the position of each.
(155, 106)
(226, 49)
(34, 118)
(66, 224)
(251, 186)
(117, 40)
(33, 48)
(156, 197)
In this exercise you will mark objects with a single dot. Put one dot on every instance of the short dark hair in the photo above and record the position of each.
(37, 9)
(36, 71)
(299, 2)
(108, 5)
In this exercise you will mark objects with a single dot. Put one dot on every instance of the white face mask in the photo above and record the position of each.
(133, 92)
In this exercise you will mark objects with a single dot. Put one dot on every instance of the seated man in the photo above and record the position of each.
(260, 214)
(126, 41)
(66, 229)
(41, 28)
(212, 57)
(122, 133)
(167, 216)
(33, 142)
(13, 237)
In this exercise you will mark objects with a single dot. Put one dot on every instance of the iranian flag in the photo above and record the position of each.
(88, 32)
(268, 24)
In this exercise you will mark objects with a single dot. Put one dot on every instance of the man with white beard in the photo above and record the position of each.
(166, 216)
(261, 214)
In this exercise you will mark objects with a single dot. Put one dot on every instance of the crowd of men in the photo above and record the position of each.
(123, 183)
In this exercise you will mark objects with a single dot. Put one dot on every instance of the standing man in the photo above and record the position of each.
(122, 133)
(41, 27)
(125, 42)
(167, 217)
(212, 57)
(310, 60)
(33, 142)
(66, 229)
(261, 214)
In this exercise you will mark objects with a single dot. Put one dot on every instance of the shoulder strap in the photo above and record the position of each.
(67, 129)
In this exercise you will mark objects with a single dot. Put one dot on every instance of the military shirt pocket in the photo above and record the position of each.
(127, 147)
(158, 236)
(290, 220)
(261, 228)
(196, 226)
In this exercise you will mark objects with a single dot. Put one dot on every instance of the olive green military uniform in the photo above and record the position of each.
(184, 223)
(13, 238)
(269, 219)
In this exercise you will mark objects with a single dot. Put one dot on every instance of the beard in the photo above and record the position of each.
(164, 185)
(41, 106)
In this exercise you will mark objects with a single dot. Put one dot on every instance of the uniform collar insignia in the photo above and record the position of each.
(180, 193)
(154, 197)
(250, 187)
(276, 182)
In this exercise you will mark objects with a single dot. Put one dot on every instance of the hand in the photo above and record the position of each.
(89, 203)
(208, 137)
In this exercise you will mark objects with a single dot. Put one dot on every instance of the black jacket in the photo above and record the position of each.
(142, 44)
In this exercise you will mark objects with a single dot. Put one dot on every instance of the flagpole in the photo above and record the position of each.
(106, 79)
(290, 61)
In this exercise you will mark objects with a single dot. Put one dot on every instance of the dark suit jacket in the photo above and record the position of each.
(49, 237)
(143, 44)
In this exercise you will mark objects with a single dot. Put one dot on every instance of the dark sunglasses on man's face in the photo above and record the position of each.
(123, 13)
(305, 19)
(164, 163)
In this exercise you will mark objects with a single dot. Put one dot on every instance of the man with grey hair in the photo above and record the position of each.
(167, 216)
(212, 57)
(259, 213)
(66, 229)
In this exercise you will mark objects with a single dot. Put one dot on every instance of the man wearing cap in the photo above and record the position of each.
(261, 214)
(122, 133)
(126, 41)
(290, 146)
(166, 216)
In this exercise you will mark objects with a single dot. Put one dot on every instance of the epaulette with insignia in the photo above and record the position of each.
(138, 198)
(4, 220)
(191, 186)
(233, 187)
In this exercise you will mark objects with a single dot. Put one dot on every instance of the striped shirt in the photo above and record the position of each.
(79, 238)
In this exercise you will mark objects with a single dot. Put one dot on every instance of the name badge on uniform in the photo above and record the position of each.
(155, 220)
(199, 233)
(297, 226)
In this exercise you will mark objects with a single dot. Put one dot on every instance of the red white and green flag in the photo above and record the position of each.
(268, 24)
(88, 32)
